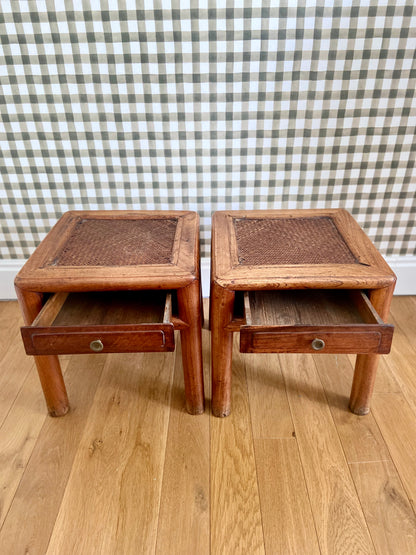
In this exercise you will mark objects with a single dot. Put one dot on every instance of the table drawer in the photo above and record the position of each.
(312, 321)
(102, 322)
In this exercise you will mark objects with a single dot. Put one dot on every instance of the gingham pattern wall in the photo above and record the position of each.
(204, 106)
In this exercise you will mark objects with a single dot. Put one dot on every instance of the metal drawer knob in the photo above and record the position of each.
(318, 344)
(96, 346)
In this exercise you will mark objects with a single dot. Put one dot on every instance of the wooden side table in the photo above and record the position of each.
(304, 281)
(114, 281)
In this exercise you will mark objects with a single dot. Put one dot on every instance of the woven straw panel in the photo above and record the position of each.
(101, 242)
(290, 241)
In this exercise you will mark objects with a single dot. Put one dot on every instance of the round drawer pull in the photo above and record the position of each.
(318, 344)
(96, 346)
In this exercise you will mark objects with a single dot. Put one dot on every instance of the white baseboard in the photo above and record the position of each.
(403, 266)
(8, 271)
(405, 269)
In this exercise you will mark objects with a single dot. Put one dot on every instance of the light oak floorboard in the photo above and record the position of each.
(397, 423)
(235, 505)
(10, 322)
(389, 515)
(287, 516)
(18, 436)
(401, 364)
(15, 366)
(184, 525)
(403, 310)
(111, 502)
(269, 407)
(178, 483)
(360, 436)
(32, 515)
(338, 516)
(385, 379)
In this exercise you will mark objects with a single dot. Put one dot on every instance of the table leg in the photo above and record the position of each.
(366, 365)
(190, 311)
(49, 368)
(222, 306)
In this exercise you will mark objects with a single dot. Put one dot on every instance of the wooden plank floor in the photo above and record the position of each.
(129, 471)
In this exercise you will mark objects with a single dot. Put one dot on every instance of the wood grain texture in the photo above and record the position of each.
(385, 380)
(338, 516)
(222, 485)
(49, 369)
(396, 421)
(40, 274)
(389, 515)
(401, 365)
(10, 319)
(18, 435)
(39, 495)
(109, 268)
(366, 365)
(191, 312)
(117, 472)
(370, 270)
(15, 366)
(235, 505)
(184, 518)
(289, 321)
(287, 516)
(360, 437)
(364, 268)
(403, 309)
(269, 407)
(221, 312)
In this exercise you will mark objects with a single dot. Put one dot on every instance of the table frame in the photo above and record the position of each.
(370, 273)
(39, 277)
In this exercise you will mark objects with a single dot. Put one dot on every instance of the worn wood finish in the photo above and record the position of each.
(49, 368)
(190, 311)
(123, 322)
(40, 274)
(366, 365)
(222, 302)
(213, 494)
(290, 321)
(100, 303)
(365, 270)
(370, 271)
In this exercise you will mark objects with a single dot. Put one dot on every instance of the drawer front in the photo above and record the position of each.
(98, 339)
(363, 339)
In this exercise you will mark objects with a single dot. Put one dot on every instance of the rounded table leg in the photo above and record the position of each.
(366, 365)
(222, 305)
(49, 368)
(190, 311)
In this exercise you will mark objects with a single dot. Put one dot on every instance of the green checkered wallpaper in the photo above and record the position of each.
(205, 106)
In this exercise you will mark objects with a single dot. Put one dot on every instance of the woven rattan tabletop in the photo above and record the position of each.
(294, 248)
(115, 249)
